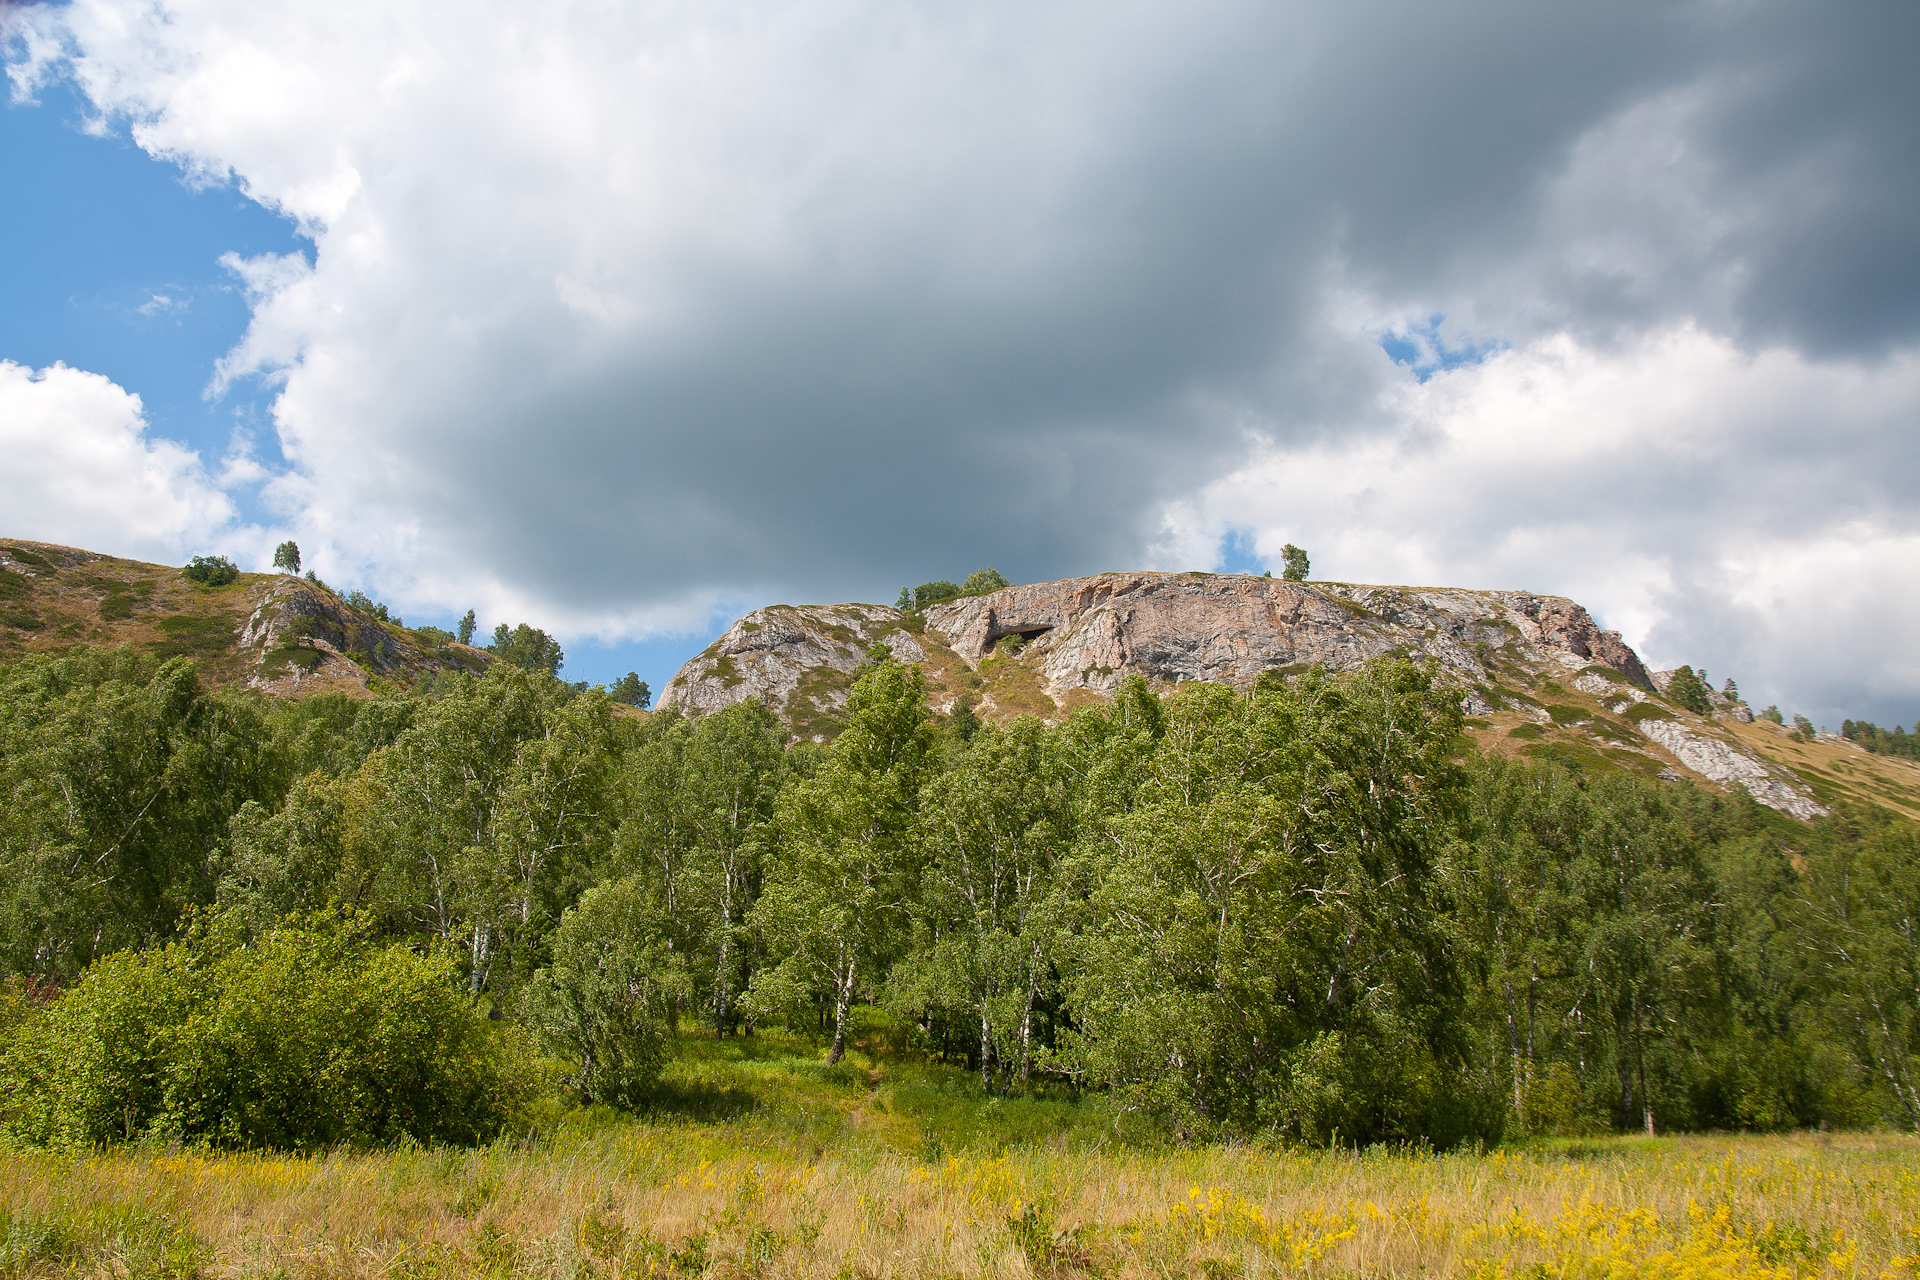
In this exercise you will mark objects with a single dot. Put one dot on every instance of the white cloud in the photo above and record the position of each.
(618, 314)
(1753, 514)
(81, 470)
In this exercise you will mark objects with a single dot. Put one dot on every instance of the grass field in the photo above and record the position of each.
(764, 1162)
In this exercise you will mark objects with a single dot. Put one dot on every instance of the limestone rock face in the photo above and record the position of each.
(1088, 633)
(799, 660)
(1721, 761)
(1518, 659)
(301, 640)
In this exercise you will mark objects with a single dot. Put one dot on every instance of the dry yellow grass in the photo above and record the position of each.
(634, 1200)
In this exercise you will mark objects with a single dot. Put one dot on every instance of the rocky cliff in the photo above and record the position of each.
(300, 638)
(1536, 674)
(1088, 633)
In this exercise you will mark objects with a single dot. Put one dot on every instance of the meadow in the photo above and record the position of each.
(760, 1160)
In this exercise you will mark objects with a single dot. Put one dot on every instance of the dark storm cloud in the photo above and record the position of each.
(623, 309)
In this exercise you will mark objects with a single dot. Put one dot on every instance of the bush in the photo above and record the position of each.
(211, 571)
(982, 581)
(307, 1037)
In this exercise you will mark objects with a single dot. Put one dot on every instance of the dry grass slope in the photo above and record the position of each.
(765, 1163)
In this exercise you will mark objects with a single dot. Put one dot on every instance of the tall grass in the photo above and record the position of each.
(761, 1161)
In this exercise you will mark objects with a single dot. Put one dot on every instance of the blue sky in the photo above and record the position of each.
(110, 262)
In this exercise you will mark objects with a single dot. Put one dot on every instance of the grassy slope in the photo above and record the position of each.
(52, 598)
(763, 1161)
(1839, 771)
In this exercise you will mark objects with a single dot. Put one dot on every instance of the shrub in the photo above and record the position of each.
(358, 599)
(931, 593)
(307, 1037)
(211, 571)
(982, 581)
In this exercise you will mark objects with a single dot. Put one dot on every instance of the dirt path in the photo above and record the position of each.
(859, 1115)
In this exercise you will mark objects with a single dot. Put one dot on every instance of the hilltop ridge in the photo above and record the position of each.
(1537, 675)
(269, 631)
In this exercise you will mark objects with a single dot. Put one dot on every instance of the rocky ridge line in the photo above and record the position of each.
(1076, 639)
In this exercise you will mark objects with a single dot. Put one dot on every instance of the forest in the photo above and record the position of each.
(1310, 911)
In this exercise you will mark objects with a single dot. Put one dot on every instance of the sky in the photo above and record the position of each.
(622, 319)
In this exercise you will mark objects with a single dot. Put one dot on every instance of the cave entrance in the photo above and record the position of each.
(1019, 637)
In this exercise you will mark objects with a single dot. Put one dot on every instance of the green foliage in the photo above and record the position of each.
(1689, 691)
(838, 900)
(1891, 742)
(1863, 886)
(928, 593)
(631, 691)
(982, 581)
(1298, 911)
(310, 1037)
(286, 557)
(1803, 728)
(1773, 713)
(527, 648)
(119, 775)
(978, 583)
(963, 720)
(360, 600)
(467, 625)
(603, 1000)
(993, 830)
(1261, 945)
(211, 571)
(1294, 565)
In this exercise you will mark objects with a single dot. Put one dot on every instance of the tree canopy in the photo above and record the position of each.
(527, 648)
(1306, 910)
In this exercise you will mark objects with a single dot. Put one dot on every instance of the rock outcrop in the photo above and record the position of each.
(1521, 661)
(1721, 761)
(300, 639)
(800, 661)
(1088, 633)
